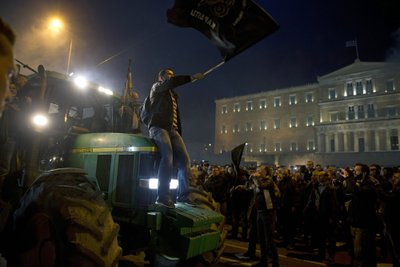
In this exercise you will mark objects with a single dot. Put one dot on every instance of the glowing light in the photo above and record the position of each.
(153, 184)
(40, 120)
(56, 24)
(105, 90)
(81, 82)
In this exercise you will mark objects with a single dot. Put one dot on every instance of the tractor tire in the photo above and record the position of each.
(64, 221)
(204, 199)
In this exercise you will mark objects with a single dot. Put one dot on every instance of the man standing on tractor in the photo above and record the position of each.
(165, 128)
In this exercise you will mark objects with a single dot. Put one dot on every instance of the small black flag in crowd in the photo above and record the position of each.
(236, 155)
(232, 25)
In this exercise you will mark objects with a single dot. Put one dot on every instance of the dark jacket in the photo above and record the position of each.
(362, 208)
(161, 102)
(266, 183)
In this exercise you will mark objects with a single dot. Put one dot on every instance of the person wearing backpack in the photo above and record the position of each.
(161, 116)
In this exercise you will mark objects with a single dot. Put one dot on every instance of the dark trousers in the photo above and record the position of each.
(251, 248)
(266, 226)
(364, 246)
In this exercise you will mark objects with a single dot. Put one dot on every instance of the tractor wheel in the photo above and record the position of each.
(64, 221)
(205, 200)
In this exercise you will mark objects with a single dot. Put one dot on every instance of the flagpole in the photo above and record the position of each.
(213, 68)
(358, 57)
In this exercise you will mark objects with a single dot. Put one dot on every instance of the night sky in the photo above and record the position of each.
(310, 43)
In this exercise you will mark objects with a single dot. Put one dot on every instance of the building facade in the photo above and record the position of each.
(350, 115)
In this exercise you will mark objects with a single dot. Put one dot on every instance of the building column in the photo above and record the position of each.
(321, 148)
(327, 144)
(377, 143)
(356, 148)
(336, 138)
(345, 142)
(388, 148)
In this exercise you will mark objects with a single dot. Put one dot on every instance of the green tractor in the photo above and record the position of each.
(85, 152)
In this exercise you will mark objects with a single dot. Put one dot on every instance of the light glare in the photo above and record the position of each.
(105, 90)
(40, 120)
(81, 82)
(153, 184)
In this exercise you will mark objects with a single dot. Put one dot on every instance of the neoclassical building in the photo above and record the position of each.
(350, 115)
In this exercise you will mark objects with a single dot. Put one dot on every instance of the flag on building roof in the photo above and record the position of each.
(351, 43)
(232, 25)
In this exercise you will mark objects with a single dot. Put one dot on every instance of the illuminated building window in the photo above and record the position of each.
(277, 101)
(351, 115)
(310, 121)
(278, 147)
(277, 124)
(263, 148)
(236, 128)
(293, 123)
(371, 111)
(236, 107)
(359, 88)
(332, 93)
(333, 116)
(249, 148)
(293, 146)
(263, 104)
(394, 140)
(390, 86)
(292, 100)
(224, 110)
(309, 97)
(369, 87)
(263, 125)
(349, 89)
(360, 112)
(310, 145)
(249, 105)
(249, 127)
(223, 129)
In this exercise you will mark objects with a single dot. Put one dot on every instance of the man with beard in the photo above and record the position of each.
(362, 214)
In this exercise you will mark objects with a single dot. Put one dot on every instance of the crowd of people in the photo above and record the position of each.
(273, 204)
(320, 206)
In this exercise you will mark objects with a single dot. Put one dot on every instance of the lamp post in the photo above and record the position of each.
(69, 55)
(57, 25)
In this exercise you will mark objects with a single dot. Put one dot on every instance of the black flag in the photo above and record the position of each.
(232, 25)
(236, 155)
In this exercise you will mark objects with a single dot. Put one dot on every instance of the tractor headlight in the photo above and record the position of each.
(152, 183)
(40, 121)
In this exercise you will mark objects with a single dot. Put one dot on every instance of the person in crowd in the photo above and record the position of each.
(383, 188)
(308, 170)
(300, 200)
(391, 220)
(362, 215)
(308, 214)
(266, 195)
(322, 206)
(231, 177)
(286, 208)
(217, 184)
(240, 197)
(165, 129)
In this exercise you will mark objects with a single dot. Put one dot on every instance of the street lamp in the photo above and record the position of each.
(56, 25)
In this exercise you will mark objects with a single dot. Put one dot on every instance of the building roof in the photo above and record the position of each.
(356, 69)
